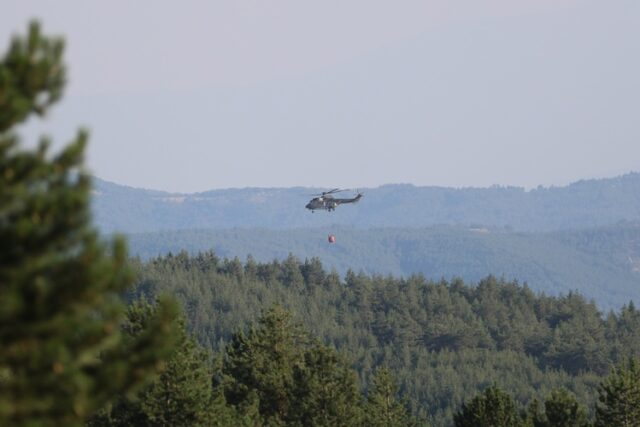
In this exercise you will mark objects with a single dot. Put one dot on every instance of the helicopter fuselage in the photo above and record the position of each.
(329, 203)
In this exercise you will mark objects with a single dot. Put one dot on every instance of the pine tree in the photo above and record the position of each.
(492, 408)
(260, 365)
(383, 409)
(619, 397)
(561, 409)
(290, 379)
(221, 413)
(313, 272)
(180, 396)
(325, 390)
(62, 354)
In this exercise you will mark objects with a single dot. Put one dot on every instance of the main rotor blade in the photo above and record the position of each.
(324, 193)
(335, 190)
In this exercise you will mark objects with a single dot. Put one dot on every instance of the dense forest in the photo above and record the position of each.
(272, 374)
(444, 341)
(601, 263)
(583, 204)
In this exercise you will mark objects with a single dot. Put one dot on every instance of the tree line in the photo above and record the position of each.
(597, 262)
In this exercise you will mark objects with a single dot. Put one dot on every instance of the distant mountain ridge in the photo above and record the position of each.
(587, 203)
(585, 236)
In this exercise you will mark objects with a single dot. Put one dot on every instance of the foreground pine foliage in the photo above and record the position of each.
(62, 355)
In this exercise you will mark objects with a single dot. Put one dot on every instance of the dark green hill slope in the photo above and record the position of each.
(601, 263)
(444, 341)
(579, 205)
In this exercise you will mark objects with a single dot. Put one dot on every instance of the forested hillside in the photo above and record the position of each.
(602, 263)
(579, 205)
(445, 341)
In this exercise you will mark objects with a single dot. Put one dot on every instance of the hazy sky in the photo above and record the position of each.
(196, 95)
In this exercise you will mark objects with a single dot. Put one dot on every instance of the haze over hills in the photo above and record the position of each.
(583, 237)
(576, 206)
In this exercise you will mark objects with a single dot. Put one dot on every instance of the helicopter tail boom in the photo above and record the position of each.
(354, 200)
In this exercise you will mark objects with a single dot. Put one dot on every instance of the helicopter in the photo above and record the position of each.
(326, 201)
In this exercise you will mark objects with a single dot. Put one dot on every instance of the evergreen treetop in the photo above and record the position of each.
(619, 396)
